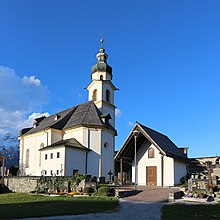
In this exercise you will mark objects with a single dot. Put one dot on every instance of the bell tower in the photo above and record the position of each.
(101, 89)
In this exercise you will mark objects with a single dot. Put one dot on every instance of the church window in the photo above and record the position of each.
(51, 156)
(57, 172)
(151, 153)
(101, 77)
(94, 95)
(45, 156)
(27, 158)
(107, 95)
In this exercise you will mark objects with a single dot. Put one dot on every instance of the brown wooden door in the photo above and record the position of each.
(151, 175)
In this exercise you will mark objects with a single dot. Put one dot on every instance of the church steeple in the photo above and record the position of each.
(101, 89)
(101, 65)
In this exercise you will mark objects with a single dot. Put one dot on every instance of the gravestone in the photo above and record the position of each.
(198, 184)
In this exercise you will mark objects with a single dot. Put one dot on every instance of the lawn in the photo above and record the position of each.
(22, 205)
(190, 212)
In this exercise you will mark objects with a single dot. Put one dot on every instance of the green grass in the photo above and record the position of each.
(22, 205)
(190, 212)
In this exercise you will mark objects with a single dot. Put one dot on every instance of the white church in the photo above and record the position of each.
(80, 139)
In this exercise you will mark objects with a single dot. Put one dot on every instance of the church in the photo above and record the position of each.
(80, 139)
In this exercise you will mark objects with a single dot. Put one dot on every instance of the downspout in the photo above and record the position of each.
(86, 165)
(162, 170)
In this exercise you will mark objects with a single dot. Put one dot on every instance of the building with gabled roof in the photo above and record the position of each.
(159, 161)
(80, 139)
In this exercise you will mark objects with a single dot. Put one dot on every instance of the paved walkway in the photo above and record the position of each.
(152, 194)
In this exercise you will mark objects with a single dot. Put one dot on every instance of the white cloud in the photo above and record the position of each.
(118, 112)
(31, 80)
(130, 124)
(29, 122)
(19, 98)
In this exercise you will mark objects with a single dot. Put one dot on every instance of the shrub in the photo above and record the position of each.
(106, 191)
(88, 190)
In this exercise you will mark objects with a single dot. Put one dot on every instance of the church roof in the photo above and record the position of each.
(86, 114)
(161, 141)
(164, 142)
(72, 142)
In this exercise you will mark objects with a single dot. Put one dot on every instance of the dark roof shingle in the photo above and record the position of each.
(86, 114)
(163, 142)
(72, 142)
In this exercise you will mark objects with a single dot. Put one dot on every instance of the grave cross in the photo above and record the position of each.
(110, 175)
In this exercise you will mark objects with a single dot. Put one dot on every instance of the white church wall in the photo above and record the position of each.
(106, 86)
(77, 133)
(93, 163)
(51, 162)
(56, 136)
(168, 171)
(33, 143)
(107, 153)
(179, 171)
(143, 161)
(75, 160)
(110, 111)
(96, 85)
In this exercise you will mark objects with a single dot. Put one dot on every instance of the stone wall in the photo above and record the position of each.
(21, 183)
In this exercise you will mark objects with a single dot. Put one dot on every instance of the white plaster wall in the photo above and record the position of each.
(56, 136)
(105, 87)
(168, 171)
(77, 133)
(94, 156)
(33, 142)
(107, 110)
(75, 159)
(21, 156)
(96, 75)
(93, 163)
(180, 170)
(143, 161)
(55, 163)
(107, 153)
(98, 86)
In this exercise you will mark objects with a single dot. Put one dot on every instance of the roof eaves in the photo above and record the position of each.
(151, 139)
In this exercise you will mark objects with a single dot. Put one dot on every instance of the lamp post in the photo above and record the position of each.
(135, 133)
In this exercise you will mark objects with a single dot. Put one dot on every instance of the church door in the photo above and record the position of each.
(151, 175)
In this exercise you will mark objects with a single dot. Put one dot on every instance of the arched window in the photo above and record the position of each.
(151, 153)
(94, 95)
(107, 95)
(27, 158)
(101, 77)
(41, 145)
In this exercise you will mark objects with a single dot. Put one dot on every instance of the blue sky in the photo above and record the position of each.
(165, 57)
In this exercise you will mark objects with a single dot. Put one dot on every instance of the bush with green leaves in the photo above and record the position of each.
(88, 190)
(106, 191)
